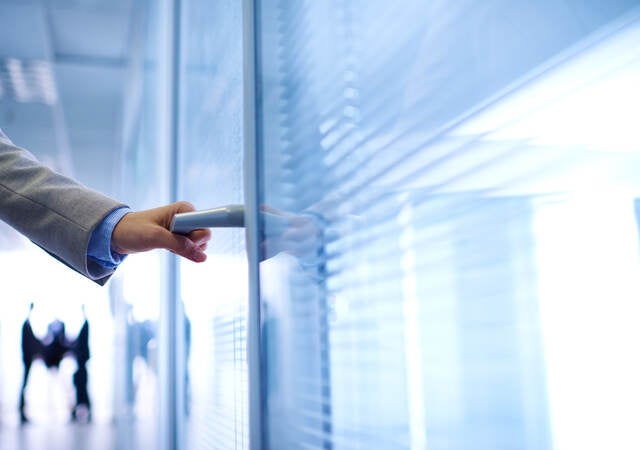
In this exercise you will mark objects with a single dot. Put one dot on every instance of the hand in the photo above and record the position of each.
(299, 235)
(147, 230)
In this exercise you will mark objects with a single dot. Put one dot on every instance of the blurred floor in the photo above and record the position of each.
(78, 437)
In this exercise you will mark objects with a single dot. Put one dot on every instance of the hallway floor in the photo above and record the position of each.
(77, 437)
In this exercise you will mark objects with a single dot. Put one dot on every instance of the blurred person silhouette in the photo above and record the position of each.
(80, 348)
(31, 347)
(52, 349)
(141, 336)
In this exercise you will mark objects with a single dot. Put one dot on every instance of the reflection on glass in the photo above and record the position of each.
(137, 292)
(472, 171)
(211, 155)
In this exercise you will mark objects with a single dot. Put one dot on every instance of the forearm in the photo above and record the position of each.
(53, 211)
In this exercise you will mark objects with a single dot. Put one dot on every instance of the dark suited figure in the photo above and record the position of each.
(55, 345)
(31, 346)
(52, 349)
(80, 348)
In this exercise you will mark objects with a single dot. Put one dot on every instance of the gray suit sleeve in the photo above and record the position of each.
(55, 212)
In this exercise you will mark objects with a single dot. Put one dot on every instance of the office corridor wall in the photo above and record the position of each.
(205, 164)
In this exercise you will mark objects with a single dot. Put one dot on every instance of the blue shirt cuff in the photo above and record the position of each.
(99, 248)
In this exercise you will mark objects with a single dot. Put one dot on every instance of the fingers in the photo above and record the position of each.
(194, 244)
(201, 236)
(185, 247)
(147, 230)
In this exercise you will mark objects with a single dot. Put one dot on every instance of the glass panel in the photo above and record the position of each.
(459, 265)
(138, 290)
(214, 293)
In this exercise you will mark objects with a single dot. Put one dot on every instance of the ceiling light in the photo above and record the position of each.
(27, 81)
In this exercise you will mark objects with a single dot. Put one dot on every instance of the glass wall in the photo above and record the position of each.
(210, 171)
(139, 290)
(210, 409)
(458, 180)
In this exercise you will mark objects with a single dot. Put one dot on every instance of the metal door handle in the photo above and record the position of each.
(230, 216)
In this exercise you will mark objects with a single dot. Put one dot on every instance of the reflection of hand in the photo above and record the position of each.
(147, 230)
(299, 235)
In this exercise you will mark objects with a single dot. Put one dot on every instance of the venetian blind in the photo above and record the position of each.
(436, 142)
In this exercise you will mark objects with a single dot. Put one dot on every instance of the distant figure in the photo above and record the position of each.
(31, 347)
(80, 349)
(51, 350)
(139, 336)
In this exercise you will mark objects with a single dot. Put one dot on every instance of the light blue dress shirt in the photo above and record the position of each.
(99, 249)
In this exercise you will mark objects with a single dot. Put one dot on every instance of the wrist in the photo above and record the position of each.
(100, 248)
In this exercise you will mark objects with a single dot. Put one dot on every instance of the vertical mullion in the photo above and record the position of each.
(252, 183)
(170, 317)
(176, 320)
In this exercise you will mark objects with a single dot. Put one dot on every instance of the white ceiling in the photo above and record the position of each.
(85, 47)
